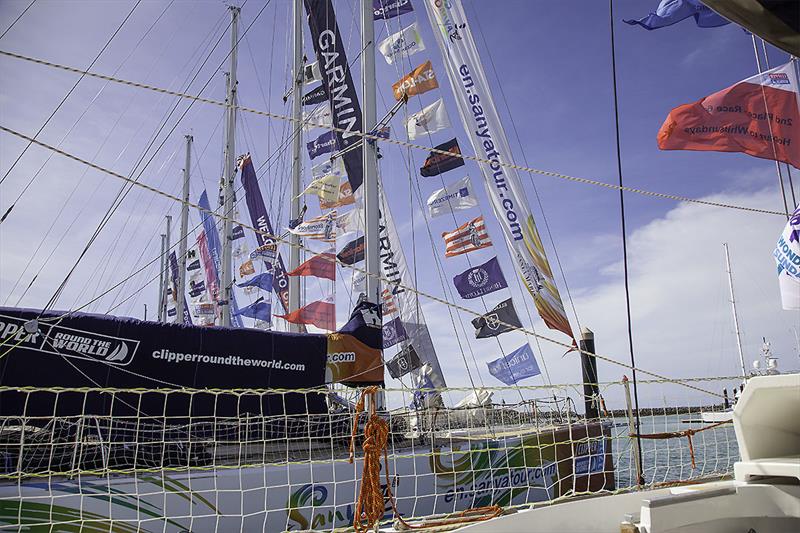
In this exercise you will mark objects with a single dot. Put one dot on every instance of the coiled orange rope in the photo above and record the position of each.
(369, 505)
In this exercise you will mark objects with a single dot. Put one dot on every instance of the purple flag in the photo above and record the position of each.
(324, 144)
(393, 332)
(387, 9)
(480, 280)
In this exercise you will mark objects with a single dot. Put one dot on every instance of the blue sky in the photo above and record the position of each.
(550, 61)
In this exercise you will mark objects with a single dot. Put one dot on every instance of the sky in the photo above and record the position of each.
(549, 65)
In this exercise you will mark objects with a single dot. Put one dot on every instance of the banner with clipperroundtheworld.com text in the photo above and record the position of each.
(488, 138)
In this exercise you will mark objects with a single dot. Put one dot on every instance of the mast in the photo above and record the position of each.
(370, 160)
(165, 273)
(181, 289)
(161, 277)
(733, 309)
(297, 146)
(229, 173)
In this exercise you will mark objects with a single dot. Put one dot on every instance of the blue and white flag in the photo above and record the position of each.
(324, 144)
(393, 332)
(787, 257)
(670, 12)
(480, 280)
(260, 310)
(517, 365)
(387, 9)
(454, 197)
(262, 281)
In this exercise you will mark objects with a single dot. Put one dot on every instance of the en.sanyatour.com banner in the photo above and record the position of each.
(488, 138)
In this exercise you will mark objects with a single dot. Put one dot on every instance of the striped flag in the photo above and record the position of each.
(322, 227)
(466, 238)
(389, 306)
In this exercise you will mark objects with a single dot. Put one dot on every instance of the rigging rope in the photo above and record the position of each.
(370, 136)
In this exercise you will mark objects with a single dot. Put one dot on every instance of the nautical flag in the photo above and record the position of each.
(322, 265)
(324, 144)
(737, 120)
(454, 197)
(393, 332)
(311, 73)
(262, 281)
(322, 228)
(319, 117)
(314, 96)
(325, 187)
(404, 43)
(420, 80)
(387, 9)
(787, 257)
(466, 238)
(345, 197)
(404, 362)
(669, 12)
(480, 280)
(502, 318)
(431, 119)
(352, 252)
(246, 268)
(516, 366)
(389, 307)
(437, 163)
(321, 313)
(260, 310)
(328, 167)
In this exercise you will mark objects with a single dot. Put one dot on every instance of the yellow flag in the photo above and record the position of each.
(326, 187)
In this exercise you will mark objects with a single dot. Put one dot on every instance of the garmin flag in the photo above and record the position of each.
(479, 280)
(338, 84)
(314, 96)
(393, 332)
(437, 163)
(517, 365)
(502, 318)
(454, 197)
(404, 362)
(429, 120)
(324, 144)
(387, 9)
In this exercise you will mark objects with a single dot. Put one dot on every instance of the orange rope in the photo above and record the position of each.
(688, 433)
(369, 505)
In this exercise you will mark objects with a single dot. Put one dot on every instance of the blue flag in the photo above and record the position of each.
(517, 365)
(480, 280)
(260, 310)
(669, 12)
(387, 9)
(324, 144)
(262, 281)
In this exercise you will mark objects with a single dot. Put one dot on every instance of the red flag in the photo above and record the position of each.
(320, 313)
(321, 265)
(758, 116)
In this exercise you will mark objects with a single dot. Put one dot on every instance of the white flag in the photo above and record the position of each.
(454, 197)
(787, 256)
(328, 167)
(319, 117)
(326, 187)
(407, 41)
(431, 119)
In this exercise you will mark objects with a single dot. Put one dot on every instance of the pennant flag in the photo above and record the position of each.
(479, 280)
(387, 9)
(311, 73)
(502, 318)
(420, 80)
(322, 265)
(322, 228)
(787, 257)
(404, 43)
(454, 197)
(324, 144)
(437, 163)
(326, 188)
(404, 362)
(319, 117)
(345, 197)
(393, 332)
(517, 365)
(314, 96)
(352, 252)
(262, 281)
(737, 120)
(466, 238)
(431, 119)
(321, 313)
(194, 265)
(260, 310)
(669, 12)
(247, 268)
(389, 307)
